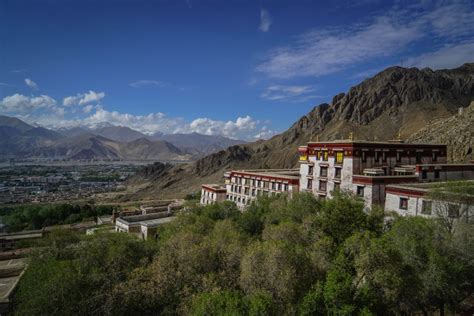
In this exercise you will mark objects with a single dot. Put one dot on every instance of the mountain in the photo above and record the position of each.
(396, 100)
(91, 146)
(456, 131)
(118, 133)
(17, 138)
(72, 131)
(196, 144)
(204, 144)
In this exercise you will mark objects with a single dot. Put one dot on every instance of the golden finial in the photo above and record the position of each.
(317, 138)
(351, 136)
(399, 137)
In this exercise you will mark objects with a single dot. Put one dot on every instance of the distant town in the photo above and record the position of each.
(56, 181)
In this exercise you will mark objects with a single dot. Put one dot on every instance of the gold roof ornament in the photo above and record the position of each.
(351, 136)
(317, 138)
(399, 136)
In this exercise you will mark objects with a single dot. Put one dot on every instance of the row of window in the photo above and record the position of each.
(424, 174)
(452, 210)
(382, 155)
(323, 155)
(322, 185)
(269, 185)
(323, 171)
(261, 184)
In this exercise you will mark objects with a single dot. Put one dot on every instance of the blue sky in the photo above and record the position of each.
(242, 69)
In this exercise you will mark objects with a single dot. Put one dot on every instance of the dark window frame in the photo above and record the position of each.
(403, 203)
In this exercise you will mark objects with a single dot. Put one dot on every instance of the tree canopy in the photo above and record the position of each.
(301, 256)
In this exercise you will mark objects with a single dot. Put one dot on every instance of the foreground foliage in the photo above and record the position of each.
(300, 256)
(38, 216)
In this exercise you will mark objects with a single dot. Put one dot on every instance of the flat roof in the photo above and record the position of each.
(426, 186)
(290, 174)
(373, 142)
(214, 187)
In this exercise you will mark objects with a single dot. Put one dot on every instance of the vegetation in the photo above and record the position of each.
(39, 216)
(301, 256)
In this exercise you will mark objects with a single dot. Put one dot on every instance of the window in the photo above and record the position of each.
(424, 174)
(324, 172)
(418, 157)
(384, 156)
(322, 186)
(246, 191)
(364, 156)
(337, 186)
(337, 173)
(339, 157)
(399, 156)
(436, 173)
(310, 170)
(453, 210)
(434, 156)
(377, 156)
(360, 190)
(309, 185)
(403, 204)
(426, 207)
(325, 155)
(253, 192)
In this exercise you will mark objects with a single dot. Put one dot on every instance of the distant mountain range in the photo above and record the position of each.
(420, 104)
(21, 140)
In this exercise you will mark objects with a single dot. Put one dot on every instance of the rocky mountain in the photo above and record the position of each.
(18, 137)
(90, 146)
(196, 144)
(119, 133)
(205, 144)
(396, 100)
(456, 131)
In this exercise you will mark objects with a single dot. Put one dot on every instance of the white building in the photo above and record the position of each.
(365, 167)
(243, 186)
(414, 199)
(212, 193)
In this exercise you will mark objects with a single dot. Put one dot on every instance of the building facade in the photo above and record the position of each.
(364, 168)
(212, 193)
(243, 186)
(414, 199)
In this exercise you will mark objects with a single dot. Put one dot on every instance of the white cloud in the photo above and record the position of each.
(326, 51)
(265, 21)
(239, 128)
(450, 56)
(30, 83)
(147, 83)
(43, 110)
(83, 98)
(20, 103)
(88, 108)
(289, 93)
(265, 133)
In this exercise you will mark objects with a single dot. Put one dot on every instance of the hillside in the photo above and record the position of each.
(395, 100)
(456, 131)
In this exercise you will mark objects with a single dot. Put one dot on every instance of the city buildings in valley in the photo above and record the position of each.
(369, 169)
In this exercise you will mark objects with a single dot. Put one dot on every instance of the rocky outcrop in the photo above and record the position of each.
(456, 131)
